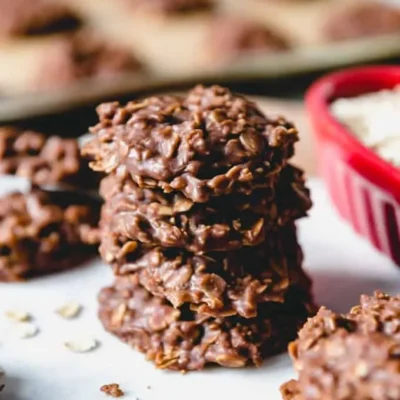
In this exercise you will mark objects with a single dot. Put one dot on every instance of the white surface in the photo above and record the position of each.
(342, 265)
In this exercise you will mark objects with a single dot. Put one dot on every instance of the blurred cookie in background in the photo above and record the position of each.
(33, 17)
(171, 6)
(291, 1)
(83, 55)
(44, 160)
(230, 37)
(43, 232)
(362, 19)
(349, 356)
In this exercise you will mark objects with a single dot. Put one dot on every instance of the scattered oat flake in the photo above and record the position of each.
(69, 310)
(112, 390)
(24, 330)
(17, 315)
(81, 345)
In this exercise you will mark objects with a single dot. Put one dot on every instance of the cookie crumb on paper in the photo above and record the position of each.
(112, 390)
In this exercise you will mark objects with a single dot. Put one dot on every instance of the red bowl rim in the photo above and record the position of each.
(321, 94)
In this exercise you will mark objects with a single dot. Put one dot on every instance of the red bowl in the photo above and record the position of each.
(364, 187)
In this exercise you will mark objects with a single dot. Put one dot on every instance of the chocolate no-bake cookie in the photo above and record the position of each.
(224, 223)
(43, 232)
(45, 160)
(83, 55)
(208, 143)
(366, 18)
(287, 197)
(30, 17)
(231, 37)
(353, 356)
(170, 6)
(179, 339)
(218, 283)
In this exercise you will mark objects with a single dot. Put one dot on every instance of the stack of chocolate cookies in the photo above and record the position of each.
(198, 225)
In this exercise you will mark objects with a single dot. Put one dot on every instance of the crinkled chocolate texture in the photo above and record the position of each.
(178, 339)
(208, 143)
(147, 217)
(83, 55)
(45, 160)
(366, 18)
(30, 17)
(216, 284)
(232, 37)
(198, 225)
(171, 6)
(43, 232)
(349, 357)
(224, 223)
(223, 282)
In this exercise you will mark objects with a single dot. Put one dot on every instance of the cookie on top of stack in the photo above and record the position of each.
(199, 227)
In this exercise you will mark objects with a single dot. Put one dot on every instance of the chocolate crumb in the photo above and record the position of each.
(2, 387)
(112, 390)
